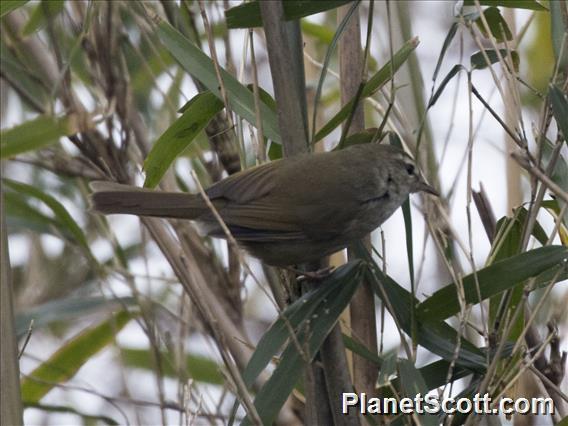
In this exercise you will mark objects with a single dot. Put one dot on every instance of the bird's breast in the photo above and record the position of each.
(373, 213)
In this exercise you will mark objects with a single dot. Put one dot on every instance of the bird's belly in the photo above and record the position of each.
(370, 217)
(293, 252)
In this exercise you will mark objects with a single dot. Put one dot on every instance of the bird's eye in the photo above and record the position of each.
(410, 169)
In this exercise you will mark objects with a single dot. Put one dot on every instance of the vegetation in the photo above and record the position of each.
(177, 95)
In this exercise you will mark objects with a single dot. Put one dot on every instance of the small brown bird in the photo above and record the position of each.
(289, 211)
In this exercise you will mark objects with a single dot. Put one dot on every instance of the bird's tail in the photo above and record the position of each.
(109, 198)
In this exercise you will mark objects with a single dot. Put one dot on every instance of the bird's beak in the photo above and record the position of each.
(423, 186)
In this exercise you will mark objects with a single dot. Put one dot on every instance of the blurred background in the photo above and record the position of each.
(89, 88)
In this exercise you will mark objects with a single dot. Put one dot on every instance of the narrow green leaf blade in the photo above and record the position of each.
(22, 216)
(35, 134)
(64, 219)
(438, 337)
(478, 62)
(414, 384)
(199, 368)
(65, 363)
(559, 102)
(296, 314)
(375, 83)
(558, 30)
(196, 115)
(200, 66)
(6, 6)
(67, 309)
(247, 15)
(497, 25)
(87, 418)
(513, 4)
(492, 280)
(275, 391)
(42, 13)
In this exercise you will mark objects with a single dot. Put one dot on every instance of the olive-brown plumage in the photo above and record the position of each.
(289, 211)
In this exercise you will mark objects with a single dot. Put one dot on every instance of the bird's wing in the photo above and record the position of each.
(275, 219)
(261, 220)
(246, 186)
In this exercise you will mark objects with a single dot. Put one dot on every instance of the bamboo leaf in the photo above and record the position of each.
(6, 6)
(247, 15)
(498, 27)
(64, 220)
(453, 72)
(512, 4)
(35, 134)
(447, 42)
(67, 309)
(200, 66)
(21, 216)
(40, 15)
(322, 33)
(414, 384)
(196, 115)
(34, 93)
(375, 83)
(492, 280)
(559, 103)
(87, 418)
(65, 363)
(558, 30)
(312, 317)
(478, 62)
(437, 337)
(199, 368)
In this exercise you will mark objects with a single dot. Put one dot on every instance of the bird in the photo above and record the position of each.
(290, 211)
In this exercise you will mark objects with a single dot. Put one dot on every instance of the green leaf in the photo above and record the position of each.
(6, 6)
(200, 66)
(366, 136)
(453, 72)
(559, 103)
(375, 83)
(447, 42)
(196, 115)
(497, 25)
(199, 368)
(492, 280)
(311, 317)
(558, 30)
(64, 220)
(560, 172)
(513, 4)
(67, 309)
(328, 54)
(32, 90)
(35, 134)
(42, 13)
(508, 236)
(321, 33)
(362, 350)
(438, 337)
(436, 374)
(247, 15)
(66, 361)
(21, 216)
(87, 418)
(388, 369)
(413, 384)
(477, 60)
